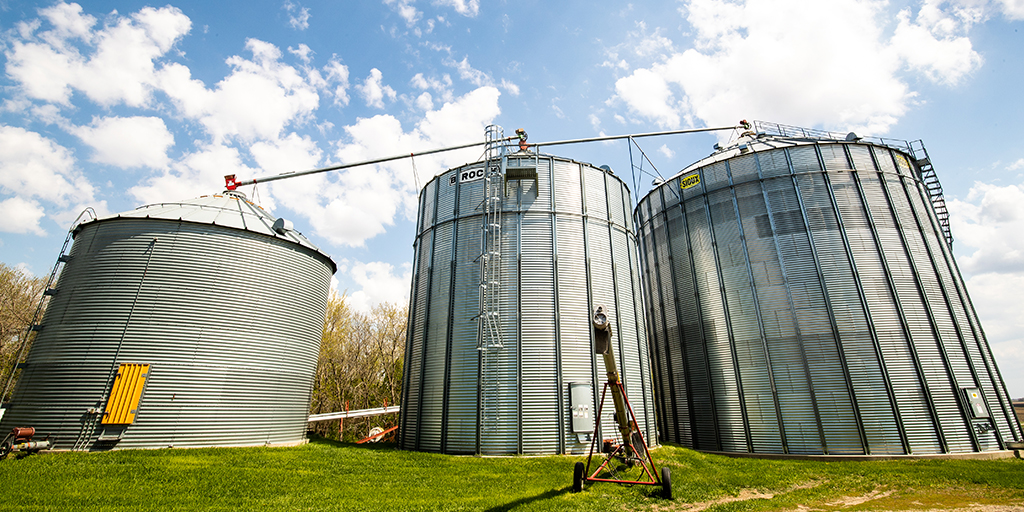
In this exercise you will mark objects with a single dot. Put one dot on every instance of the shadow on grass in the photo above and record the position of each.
(523, 501)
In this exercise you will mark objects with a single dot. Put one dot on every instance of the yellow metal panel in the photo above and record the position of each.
(124, 398)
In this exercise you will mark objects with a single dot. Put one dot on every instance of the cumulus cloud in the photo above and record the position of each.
(987, 225)
(425, 101)
(349, 206)
(847, 74)
(337, 81)
(405, 9)
(128, 142)
(929, 44)
(257, 100)
(998, 301)
(466, 8)
(111, 66)
(33, 166)
(1012, 9)
(197, 173)
(373, 91)
(21, 216)
(379, 283)
(289, 154)
(510, 87)
(298, 16)
(442, 86)
(988, 222)
(36, 170)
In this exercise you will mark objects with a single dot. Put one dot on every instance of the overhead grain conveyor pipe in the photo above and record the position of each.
(231, 183)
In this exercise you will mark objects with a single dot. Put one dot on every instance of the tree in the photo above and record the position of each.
(19, 295)
(360, 366)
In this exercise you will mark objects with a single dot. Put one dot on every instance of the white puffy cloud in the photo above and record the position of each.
(338, 73)
(424, 101)
(257, 100)
(647, 94)
(468, 8)
(197, 173)
(68, 23)
(112, 65)
(21, 216)
(1012, 9)
(929, 45)
(510, 87)
(805, 62)
(998, 300)
(665, 150)
(41, 176)
(33, 166)
(988, 224)
(405, 9)
(298, 16)
(128, 141)
(372, 90)
(292, 153)
(378, 283)
(442, 87)
(349, 206)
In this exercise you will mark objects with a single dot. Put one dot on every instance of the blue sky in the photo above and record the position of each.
(118, 104)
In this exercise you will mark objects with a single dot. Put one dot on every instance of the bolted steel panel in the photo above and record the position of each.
(228, 319)
(803, 301)
(564, 245)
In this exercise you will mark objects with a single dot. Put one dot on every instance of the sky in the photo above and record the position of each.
(113, 105)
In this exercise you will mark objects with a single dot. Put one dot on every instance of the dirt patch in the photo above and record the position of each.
(849, 501)
(744, 495)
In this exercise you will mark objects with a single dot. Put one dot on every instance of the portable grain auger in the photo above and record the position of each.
(629, 462)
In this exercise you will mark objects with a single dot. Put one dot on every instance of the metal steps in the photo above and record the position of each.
(931, 183)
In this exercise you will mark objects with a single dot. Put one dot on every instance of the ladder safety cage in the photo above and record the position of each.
(490, 342)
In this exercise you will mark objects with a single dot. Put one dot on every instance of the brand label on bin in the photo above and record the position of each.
(689, 181)
(466, 176)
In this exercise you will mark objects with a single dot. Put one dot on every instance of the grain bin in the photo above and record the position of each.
(510, 259)
(803, 299)
(180, 324)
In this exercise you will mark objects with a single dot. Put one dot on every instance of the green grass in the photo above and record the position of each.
(325, 475)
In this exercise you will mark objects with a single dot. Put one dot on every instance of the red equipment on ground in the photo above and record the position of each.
(630, 462)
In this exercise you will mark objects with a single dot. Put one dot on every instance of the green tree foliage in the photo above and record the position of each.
(360, 366)
(19, 295)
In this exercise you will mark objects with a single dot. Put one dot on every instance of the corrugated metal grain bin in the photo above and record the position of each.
(566, 244)
(804, 300)
(187, 324)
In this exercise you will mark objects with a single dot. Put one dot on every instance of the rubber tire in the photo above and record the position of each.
(666, 483)
(577, 477)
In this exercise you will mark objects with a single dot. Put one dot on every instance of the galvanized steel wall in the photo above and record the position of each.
(803, 300)
(229, 320)
(567, 244)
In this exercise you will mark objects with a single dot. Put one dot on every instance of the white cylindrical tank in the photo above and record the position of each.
(180, 324)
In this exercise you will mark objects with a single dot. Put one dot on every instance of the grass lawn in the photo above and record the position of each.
(325, 475)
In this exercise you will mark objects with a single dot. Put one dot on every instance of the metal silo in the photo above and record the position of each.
(510, 259)
(183, 324)
(804, 300)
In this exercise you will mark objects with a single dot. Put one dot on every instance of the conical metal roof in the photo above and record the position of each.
(230, 209)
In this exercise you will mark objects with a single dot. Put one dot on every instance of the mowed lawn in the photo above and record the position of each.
(325, 475)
